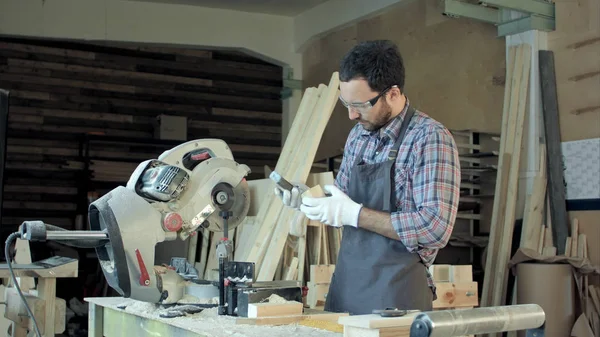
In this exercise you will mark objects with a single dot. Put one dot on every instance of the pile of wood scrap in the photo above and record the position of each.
(265, 244)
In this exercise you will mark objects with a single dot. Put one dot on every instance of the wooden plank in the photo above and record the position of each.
(506, 183)
(271, 206)
(456, 295)
(372, 321)
(534, 207)
(556, 188)
(268, 309)
(299, 169)
(501, 179)
(321, 273)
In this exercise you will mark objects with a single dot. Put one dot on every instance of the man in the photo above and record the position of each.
(396, 193)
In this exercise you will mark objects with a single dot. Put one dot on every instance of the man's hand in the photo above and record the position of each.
(291, 198)
(337, 210)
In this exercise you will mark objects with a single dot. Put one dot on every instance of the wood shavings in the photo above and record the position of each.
(274, 298)
(190, 299)
(209, 324)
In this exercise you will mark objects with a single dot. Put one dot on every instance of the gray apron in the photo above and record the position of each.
(373, 271)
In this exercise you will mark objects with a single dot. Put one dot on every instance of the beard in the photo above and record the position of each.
(380, 119)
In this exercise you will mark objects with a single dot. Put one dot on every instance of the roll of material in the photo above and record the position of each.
(451, 323)
(552, 287)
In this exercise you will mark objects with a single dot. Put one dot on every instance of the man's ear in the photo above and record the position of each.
(394, 94)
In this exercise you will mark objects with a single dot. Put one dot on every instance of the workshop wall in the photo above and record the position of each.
(66, 98)
(454, 68)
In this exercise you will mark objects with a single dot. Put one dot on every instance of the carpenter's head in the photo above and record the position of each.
(372, 83)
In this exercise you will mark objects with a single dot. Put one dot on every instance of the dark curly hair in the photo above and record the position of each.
(379, 62)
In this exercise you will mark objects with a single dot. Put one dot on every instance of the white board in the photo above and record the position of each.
(581, 160)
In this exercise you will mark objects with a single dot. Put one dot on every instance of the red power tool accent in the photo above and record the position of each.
(144, 277)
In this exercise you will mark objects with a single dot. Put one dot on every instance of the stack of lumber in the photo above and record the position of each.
(505, 200)
(266, 242)
(576, 246)
(544, 209)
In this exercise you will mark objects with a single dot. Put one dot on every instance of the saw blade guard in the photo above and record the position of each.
(203, 192)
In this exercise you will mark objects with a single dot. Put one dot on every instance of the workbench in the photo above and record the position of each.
(117, 317)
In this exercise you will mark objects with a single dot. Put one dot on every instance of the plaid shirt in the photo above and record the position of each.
(427, 179)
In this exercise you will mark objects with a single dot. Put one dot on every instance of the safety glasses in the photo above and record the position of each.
(364, 107)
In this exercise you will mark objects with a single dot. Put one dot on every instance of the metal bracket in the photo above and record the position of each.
(457, 9)
(531, 22)
(537, 7)
(539, 14)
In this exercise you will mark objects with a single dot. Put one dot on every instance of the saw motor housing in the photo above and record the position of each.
(185, 189)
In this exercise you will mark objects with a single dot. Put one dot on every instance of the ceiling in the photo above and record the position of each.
(275, 7)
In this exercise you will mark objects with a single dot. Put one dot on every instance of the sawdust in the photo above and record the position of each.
(274, 298)
(208, 323)
(138, 307)
(191, 299)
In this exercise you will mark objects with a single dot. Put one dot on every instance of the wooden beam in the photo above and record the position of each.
(556, 186)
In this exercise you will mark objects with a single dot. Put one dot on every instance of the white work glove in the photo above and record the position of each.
(336, 210)
(291, 199)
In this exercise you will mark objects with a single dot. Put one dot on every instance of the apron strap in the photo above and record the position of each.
(394, 150)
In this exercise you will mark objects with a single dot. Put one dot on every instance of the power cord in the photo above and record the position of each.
(9, 242)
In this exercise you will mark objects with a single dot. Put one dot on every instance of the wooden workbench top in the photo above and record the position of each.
(141, 317)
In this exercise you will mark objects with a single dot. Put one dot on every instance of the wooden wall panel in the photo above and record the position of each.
(66, 97)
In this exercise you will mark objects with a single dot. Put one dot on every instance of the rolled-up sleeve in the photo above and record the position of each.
(435, 181)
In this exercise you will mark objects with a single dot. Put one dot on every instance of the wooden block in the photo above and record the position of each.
(462, 273)
(274, 309)
(316, 293)
(456, 295)
(441, 272)
(314, 192)
(309, 314)
(321, 273)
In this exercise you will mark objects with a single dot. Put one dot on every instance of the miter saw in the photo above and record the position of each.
(196, 185)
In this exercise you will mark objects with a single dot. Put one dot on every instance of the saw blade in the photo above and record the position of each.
(241, 205)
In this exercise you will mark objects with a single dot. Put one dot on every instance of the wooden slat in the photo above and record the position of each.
(556, 187)
(503, 216)
(296, 167)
